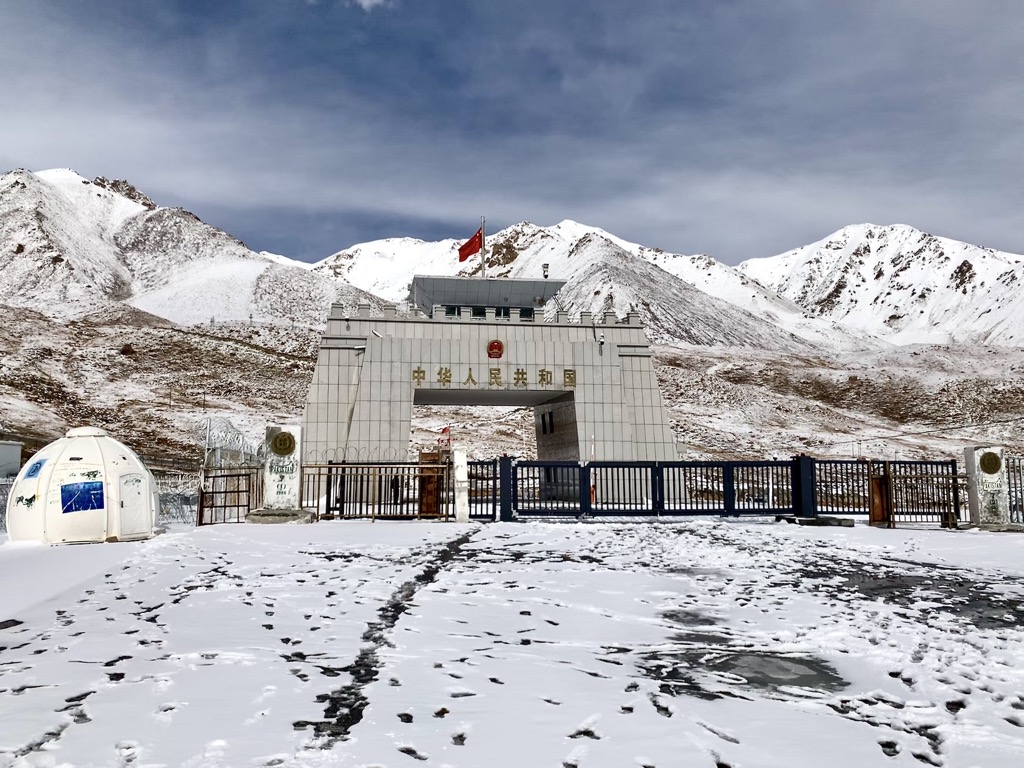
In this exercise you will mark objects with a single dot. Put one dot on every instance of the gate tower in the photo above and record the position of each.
(484, 341)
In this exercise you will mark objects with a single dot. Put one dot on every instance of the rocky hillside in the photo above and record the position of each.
(145, 320)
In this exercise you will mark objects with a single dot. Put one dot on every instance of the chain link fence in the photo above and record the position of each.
(179, 497)
(5, 489)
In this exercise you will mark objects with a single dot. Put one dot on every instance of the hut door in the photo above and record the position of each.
(134, 512)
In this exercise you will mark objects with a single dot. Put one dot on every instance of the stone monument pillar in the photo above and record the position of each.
(282, 479)
(460, 465)
(988, 489)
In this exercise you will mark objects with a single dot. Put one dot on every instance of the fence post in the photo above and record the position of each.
(584, 480)
(955, 522)
(657, 489)
(494, 490)
(506, 489)
(728, 489)
(805, 502)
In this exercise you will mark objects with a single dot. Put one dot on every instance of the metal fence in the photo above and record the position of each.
(1015, 481)
(725, 488)
(890, 493)
(919, 492)
(228, 494)
(398, 490)
(653, 489)
(5, 489)
(842, 487)
(483, 490)
(179, 497)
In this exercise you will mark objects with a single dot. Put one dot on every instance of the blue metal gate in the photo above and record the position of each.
(559, 489)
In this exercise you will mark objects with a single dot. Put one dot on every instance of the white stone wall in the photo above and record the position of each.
(370, 371)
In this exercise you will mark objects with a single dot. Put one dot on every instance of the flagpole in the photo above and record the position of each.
(483, 247)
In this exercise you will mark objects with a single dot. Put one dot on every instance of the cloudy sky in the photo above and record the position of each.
(737, 128)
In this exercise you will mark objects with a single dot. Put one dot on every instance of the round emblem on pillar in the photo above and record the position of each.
(283, 443)
(990, 463)
(495, 349)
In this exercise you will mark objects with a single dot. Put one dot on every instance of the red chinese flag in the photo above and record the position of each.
(471, 246)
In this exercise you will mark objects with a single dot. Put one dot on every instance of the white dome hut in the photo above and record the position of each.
(85, 487)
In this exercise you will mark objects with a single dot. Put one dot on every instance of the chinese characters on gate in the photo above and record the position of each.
(494, 377)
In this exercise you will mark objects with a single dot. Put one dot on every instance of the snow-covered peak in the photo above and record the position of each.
(604, 273)
(898, 282)
(285, 261)
(96, 201)
(70, 247)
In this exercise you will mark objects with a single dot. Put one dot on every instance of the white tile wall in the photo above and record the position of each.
(616, 398)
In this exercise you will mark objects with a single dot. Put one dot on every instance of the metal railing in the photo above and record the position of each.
(915, 492)
(398, 490)
(483, 490)
(1015, 482)
(644, 489)
(228, 494)
(843, 487)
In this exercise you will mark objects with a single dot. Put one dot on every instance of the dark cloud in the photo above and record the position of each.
(732, 127)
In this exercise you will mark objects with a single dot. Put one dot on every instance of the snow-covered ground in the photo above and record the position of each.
(703, 643)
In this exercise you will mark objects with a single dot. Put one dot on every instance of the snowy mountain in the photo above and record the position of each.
(147, 321)
(70, 246)
(688, 299)
(904, 285)
(144, 320)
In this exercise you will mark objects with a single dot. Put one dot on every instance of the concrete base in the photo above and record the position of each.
(272, 516)
(841, 522)
(1005, 528)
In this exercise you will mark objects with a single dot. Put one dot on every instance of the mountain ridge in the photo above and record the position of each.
(903, 284)
(146, 320)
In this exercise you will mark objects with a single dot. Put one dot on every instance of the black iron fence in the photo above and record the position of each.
(1015, 481)
(483, 490)
(396, 490)
(915, 492)
(842, 487)
(888, 493)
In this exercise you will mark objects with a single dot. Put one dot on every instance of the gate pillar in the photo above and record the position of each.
(282, 479)
(460, 468)
(805, 500)
(988, 488)
(505, 489)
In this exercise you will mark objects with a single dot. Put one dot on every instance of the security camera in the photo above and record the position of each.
(544, 269)
(600, 339)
